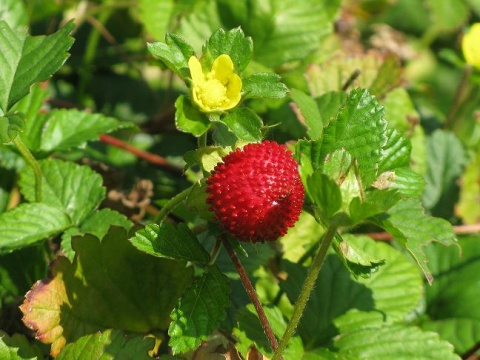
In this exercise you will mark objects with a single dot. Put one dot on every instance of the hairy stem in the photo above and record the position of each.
(171, 204)
(27, 155)
(252, 294)
(306, 291)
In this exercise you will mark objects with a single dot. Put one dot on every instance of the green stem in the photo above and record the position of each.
(27, 155)
(306, 291)
(172, 204)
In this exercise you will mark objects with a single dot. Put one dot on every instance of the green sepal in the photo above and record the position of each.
(189, 119)
(174, 52)
(232, 43)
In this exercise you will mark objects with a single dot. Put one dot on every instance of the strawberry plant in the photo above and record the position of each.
(215, 179)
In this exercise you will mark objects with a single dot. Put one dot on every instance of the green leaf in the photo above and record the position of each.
(10, 126)
(359, 129)
(446, 161)
(462, 333)
(67, 129)
(132, 291)
(233, 43)
(359, 262)
(452, 298)
(264, 85)
(404, 180)
(376, 202)
(325, 195)
(245, 124)
(249, 331)
(309, 113)
(395, 291)
(155, 16)
(413, 230)
(171, 242)
(199, 311)
(174, 52)
(108, 345)
(188, 119)
(14, 13)
(74, 189)
(27, 224)
(27, 60)
(288, 30)
(395, 152)
(329, 105)
(375, 72)
(398, 341)
(17, 347)
(306, 232)
(97, 223)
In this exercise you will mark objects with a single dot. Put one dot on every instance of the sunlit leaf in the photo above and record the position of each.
(76, 190)
(171, 242)
(188, 119)
(28, 59)
(28, 224)
(132, 291)
(108, 345)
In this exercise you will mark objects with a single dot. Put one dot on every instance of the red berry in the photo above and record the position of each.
(256, 192)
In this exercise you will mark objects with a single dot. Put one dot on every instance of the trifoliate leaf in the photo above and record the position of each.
(199, 311)
(108, 345)
(130, 290)
(169, 241)
(74, 189)
(27, 224)
(174, 52)
(27, 60)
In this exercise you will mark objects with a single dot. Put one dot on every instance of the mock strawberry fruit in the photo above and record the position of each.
(256, 192)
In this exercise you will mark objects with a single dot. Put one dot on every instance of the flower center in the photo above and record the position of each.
(212, 93)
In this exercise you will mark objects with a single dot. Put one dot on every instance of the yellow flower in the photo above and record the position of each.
(217, 90)
(471, 46)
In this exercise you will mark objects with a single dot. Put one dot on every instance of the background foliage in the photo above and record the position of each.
(383, 81)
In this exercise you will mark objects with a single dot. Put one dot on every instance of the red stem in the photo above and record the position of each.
(151, 158)
(252, 294)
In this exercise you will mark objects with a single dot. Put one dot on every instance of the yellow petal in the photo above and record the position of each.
(222, 69)
(471, 46)
(196, 70)
(234, 89)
